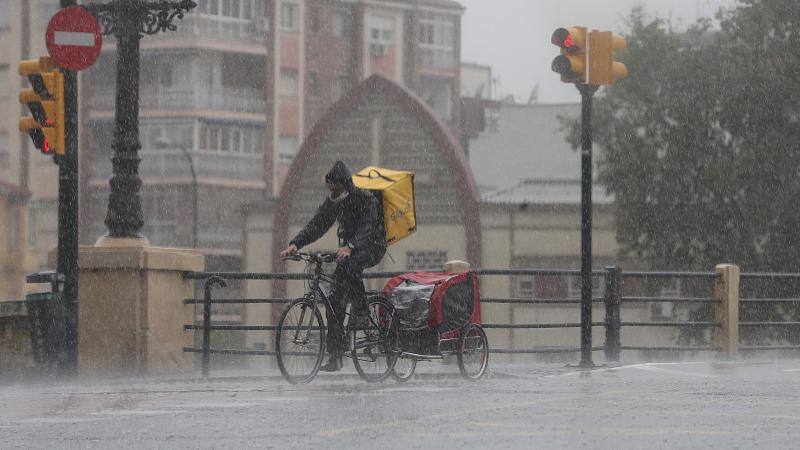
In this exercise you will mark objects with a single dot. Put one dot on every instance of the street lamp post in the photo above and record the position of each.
(128, 21)
(165, 143)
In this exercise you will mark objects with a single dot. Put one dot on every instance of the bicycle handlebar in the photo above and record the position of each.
(320, 257)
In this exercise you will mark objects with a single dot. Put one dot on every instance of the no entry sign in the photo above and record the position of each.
(73, 38)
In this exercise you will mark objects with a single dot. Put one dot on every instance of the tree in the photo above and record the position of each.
(700, 150)
(700, 142)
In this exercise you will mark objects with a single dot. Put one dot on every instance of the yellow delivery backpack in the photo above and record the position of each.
(395, 191)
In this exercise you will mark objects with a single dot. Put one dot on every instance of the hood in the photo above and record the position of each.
(341, 174)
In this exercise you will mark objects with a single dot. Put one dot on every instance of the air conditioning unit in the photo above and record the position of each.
(377, 49)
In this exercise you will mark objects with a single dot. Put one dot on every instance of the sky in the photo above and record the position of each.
(513, 36)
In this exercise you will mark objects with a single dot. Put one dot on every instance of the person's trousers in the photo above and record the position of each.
(349, 288)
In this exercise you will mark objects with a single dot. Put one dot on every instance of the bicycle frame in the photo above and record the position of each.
(315, 293)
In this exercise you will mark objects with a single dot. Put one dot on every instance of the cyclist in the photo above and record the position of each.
(362, 244)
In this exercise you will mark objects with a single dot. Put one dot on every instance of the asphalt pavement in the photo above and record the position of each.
(740, 404)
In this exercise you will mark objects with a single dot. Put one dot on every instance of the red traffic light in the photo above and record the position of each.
(564, 39)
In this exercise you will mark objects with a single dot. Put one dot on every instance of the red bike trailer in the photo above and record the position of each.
(439, 315)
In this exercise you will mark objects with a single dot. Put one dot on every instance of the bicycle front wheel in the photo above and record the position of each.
(372, 347)
(300, 341)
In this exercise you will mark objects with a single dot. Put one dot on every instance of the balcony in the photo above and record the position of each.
(170, 163)
(232, 99)
(207, 164)
(434, 57)
(251, 32)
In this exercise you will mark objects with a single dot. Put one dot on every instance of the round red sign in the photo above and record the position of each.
(73, 38)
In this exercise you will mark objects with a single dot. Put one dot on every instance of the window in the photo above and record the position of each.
(526, 287)
(341, 22)
(257, 7)
(381, 34)
(339, 88)
(288, 82)
(314, 18)
(14, 229)
(210, 7)
(231, 137)
(213, 138)
(289, 16)
(428, 260)
(574, 288)
(5, 82)
(248, 141)
(237, 9)
(164, 74)
(4, 154)
(225, 139)
(32, 214)
(437, 36)
(313, 85)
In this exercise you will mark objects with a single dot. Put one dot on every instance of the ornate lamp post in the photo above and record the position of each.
(128, 21)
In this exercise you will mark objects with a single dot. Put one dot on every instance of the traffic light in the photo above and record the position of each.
(45, 100)
(603, 70)
(571, 63)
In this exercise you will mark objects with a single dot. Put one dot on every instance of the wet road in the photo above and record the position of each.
(669, 405)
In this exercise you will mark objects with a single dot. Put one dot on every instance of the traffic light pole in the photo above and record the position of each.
(67, 264)
(587, 92)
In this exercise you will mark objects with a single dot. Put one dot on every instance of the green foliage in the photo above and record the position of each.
(700, 150)
(700, 142)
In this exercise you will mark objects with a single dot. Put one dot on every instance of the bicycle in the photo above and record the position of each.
(300, 337)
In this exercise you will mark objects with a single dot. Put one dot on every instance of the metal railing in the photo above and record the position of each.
(613, 300)
(781, 326)
(245, 31)
(222, 98)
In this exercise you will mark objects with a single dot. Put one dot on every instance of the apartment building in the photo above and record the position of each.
(233, 92)
(202, 125)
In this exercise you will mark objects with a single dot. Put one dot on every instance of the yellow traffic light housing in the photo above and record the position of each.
(603, 70)
(45, 101)
(571, 63)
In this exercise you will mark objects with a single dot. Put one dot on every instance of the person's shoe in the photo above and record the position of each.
(334, 364)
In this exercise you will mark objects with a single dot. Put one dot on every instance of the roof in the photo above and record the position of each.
(545, 192)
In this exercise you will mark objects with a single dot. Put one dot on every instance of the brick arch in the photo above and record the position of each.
(444, 142)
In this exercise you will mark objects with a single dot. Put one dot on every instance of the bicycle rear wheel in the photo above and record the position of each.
(473, 352)
(300, 341)
(404, 368)
(372, 347)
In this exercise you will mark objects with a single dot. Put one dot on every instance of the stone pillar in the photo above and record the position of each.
(726, 310)
(131, 310)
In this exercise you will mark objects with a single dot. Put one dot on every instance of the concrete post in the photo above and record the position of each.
(726, 310)
(131, 310)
